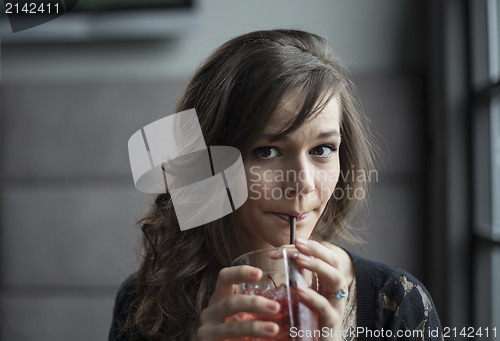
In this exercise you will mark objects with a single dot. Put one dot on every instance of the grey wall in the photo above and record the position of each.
(68, 204)
(375, 35)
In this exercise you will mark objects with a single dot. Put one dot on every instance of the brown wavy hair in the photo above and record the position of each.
(234, 92)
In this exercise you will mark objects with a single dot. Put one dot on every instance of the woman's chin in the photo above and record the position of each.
(281, 242)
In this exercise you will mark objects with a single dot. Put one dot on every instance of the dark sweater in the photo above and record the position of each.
(389, 301)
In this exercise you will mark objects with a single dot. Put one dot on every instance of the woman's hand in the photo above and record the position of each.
(331, 280)
(224, 303)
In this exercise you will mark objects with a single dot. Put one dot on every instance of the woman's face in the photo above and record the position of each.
(291, 176)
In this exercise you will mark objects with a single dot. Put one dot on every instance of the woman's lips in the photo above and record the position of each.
(286, 217)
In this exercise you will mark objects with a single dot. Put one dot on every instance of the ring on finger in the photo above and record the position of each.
(341, 294)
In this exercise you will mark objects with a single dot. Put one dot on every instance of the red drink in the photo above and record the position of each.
(293, 316)
(296, 321)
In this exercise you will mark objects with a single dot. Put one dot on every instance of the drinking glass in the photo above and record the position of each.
(280, 278)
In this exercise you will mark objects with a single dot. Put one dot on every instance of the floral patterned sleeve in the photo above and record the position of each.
(408, 311)
(392, 304)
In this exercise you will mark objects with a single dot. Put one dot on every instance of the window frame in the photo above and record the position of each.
(484, 54)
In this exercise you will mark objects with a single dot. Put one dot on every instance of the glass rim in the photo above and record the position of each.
(255, 252)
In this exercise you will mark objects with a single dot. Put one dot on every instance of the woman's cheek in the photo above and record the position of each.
(254, 192)
(329, 184)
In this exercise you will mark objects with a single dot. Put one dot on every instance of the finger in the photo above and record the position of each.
(329, 277)
(233, 275)
(325, 264)
(317, 250)
(285, 250)
(329, 316)
(237, 329)
(239, 303)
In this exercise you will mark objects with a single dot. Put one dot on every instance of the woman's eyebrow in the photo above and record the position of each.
(330, 133)
(276, 137)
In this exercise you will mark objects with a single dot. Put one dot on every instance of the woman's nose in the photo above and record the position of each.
(300, 179)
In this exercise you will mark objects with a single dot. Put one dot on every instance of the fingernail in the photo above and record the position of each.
(304, 258)
(300, 241)
(273, 306)
(270, 328)
(255, 272)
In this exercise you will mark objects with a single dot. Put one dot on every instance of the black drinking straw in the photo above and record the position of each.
(292, 278)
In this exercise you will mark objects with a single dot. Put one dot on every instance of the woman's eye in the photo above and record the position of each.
(266, 152)
(325, 150)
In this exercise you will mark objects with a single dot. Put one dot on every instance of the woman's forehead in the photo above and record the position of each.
(282, 118)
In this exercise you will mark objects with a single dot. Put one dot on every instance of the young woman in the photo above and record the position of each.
(287, 104)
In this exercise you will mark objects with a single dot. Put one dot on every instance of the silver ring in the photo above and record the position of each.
(341, 294)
